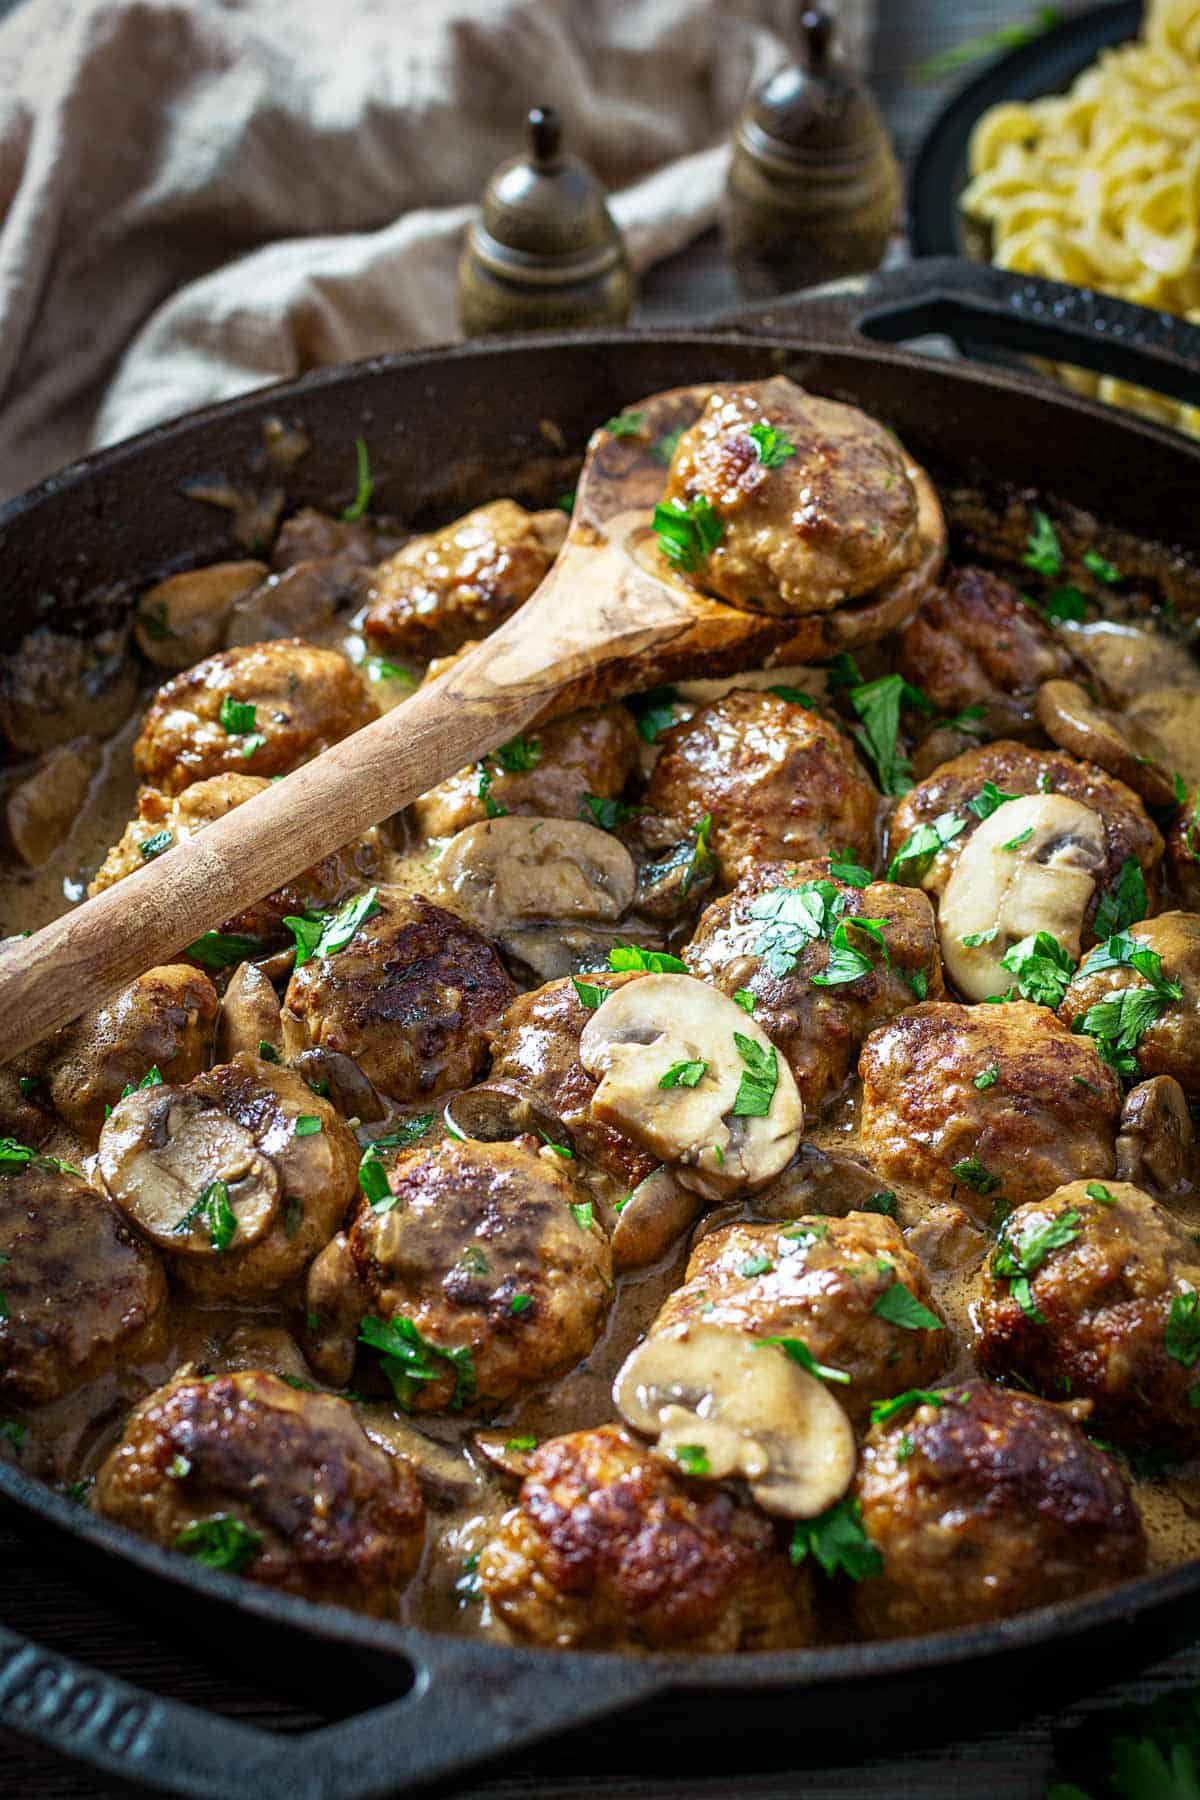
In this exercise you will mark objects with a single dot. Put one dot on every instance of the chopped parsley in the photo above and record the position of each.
(1101, 568)
(917, 852)
(773, 446)
(218, 949)
(581, 1212)
(882, 1202)
(152, 1078)
(372, 1179)
(1124, 903)
(563, 1150)
(877, 704)
(154, 846)
(408, 1359)
(365, 485)
(589, 996)
(692, 1458)
(702, 862)
(1043, 553)
(492, 808)
(755, 1265)
(307, 1125)
(606, 814)
(756, 1089)
(404, 1134)
(632, 956)
(664, 447)
(798, 1352)
(899, 1306)
(842, 672)
(988, 1077)
(687, 531)
(1042, 967)
(836, 1540)
(653, 711)
(626, 424)
(846, 961)
(797, 696)
(213, 1213)
(988, 799)
(794, 917)
(744, 998)
(519, 755)
(1117, 1023)
(971, 1172)
(684, 1074)
(238, 720)
(380, 669)
(515, 1445)
(520, 1303)
(324, 934)
(883, 1410)
(1017, 1259)
(220, 1542)
(1022, 837)
(267, 1051)
(16, 1434)
(1097, 1191)
(1182, 1337)
(852, 873)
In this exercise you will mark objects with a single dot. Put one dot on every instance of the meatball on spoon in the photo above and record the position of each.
(803, 489)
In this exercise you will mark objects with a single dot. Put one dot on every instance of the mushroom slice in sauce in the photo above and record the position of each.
(1031, 866)
(504, 871)
(1156, 1138)
(1114, 741)
(500, 1110)
(249, 1016)
(655, 1215)
(686, 1074)
(182, 619)
(165, 1149)
(721, 1404)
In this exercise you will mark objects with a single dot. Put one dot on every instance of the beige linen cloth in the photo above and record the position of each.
(201, 196)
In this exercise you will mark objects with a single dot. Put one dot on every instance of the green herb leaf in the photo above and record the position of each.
(1042, 551)
(1097, 1191)
(842, 672)
(987, 1078)
(794, 917)
(883, 1410)
(373, 1180)
(756, 1089)
(218, 949)
(684, 1074)
(653, 711)
(408, 1359)
(1022, 837)
(846, 961)
(1101, 568)
(237, 716)
(900, 1307)
(877, 704)
(520, 1303)
(492, 808)
(152, 1078)
(16, 1434)
(836, 1540)
(1042, 967)
(755, 1265)
(220, 1542)
(589, 995)
(404, 1134)
(882, 1202)
(692, 1458)
(267, 1052)
(632, 956)
(380, 669)
(744, 998)
(702, 861)
(664, 447)
(971, 1172)
(687, 531)
(626, 424)
(988, 799)
(773, 446)
(333, 931)
(917, 852)
(518, 1444)
(213, 1212)
(1124, 903)
(519, 755)
(1017, 1259)
(607, 814)
(1183, 1328)
(852, 873)
(307, 1125)
(365, 486)
(798, 1352)
(582, 1213)
(795, 695)
(154, 846)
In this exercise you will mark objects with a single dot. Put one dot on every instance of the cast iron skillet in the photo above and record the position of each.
(449, 428)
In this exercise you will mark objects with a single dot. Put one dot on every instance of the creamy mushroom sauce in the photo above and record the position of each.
(1149, 671)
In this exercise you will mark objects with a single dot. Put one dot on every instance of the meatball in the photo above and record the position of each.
(282, 702)
(490, 1251)
(1170, 1043)
(78, 1288)
(1104, 1310)
(1183, 851)
(549, 774)
(821, 1280)
(309, 536)
(826, 518)
(164, 1020)
(58, 687)
(536, 1043)
(1046, 1113)
(986, 1505)
(1015, 769)
(609, 1548)
(411, 998)
(746, 941)
(163, 821)
(248, 1473)
(462, 581)
(976, 640)
(240, 1177)
(778, 780)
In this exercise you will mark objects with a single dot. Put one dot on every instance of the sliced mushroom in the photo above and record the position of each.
(182, 619)
(258, 1346)
(296, 603)
(164, 1149)
(948, 1241)
(721, 1404)
(445, 1477)
(820, 1181)
(1031, 867)
(499, 1110)
(505, 871)
(507, 1454)
(249, 1015)
(552, 950)
(41, 810)
(1156, 1137)
(1114, 741)
(665, 1026)
(339, 1077)
(655, 1216)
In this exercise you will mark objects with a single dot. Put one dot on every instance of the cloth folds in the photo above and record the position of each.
(200, 196)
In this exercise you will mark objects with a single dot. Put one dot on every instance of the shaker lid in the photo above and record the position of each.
(812, 108)
(545, 217)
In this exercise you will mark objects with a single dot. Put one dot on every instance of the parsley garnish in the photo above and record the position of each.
(702, 862)
(405, 1134)
(755, 1265)
(684, 1074)
(16, 1434)
(325, 934)
(519, 755)
(1022, 837)
(380, 669)
(365, 487)
(988, 799)
(408, 1359)
(520, 1303)
(1042, 967)
(492, 808)
(883, 1410)
(1042, 552)
(237, 718)
(924, 844)
(852, 873)
(901, 1307)
(797, 696)
(1101, 568)
(842, 672)
(1124, 903)
(526, 1442)
(152, 1078)
(798, 1352)
(220, 1542)
(632, 956)
(877, 704)
(653, 711)
(589, 996)
(687, 531)
(1183, 1328)
(217, 949)
(971, 1172)
(664, 447)
(372, 1179)
(744, 998)
(1015, 1260)
(795, 917)
(692, 1458)
(883, 1202)
(596, 809)
(581, 1212)
(837, 1541)
(760, 1076)
(154, 846)
(212, 1211)
(1097, 1191)
(1118, 1022)
(307, 1125)
(773, 446)
(846, 962)
(626, 424)
(987, 1078)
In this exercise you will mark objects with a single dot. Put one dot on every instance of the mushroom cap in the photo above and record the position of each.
(722, 1404)
(650, 1029)
(499, 1110)
(1032, 866)
(657, 1212)
(1114, 741)
(510, 869)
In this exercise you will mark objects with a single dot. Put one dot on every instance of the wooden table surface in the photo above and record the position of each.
(43, 1600)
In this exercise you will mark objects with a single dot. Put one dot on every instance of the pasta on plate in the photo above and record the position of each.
(1101, 186)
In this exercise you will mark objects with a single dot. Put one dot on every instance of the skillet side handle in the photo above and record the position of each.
(991, 309)
(464, 1708)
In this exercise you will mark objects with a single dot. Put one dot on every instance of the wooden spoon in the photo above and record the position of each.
(610, 618)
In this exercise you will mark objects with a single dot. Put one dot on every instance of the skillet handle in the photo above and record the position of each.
(988, 308)
(463, 1708)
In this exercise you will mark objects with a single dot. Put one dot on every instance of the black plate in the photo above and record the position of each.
(1048, 65)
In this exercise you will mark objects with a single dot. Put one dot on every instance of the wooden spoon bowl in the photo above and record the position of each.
(611, 618)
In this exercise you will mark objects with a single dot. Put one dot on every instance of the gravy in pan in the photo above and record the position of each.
(1148, 673)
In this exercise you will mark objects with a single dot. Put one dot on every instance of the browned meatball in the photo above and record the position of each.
(984, 1506)
(462, 581)
(745, 942)
(803, 533)
(975, 640)
(411, 998)
(779, 781)
(1183, 851)
(1016, 769)
(79, 1289)
(1108, 1270)
(1170, 1043)
(480, 1251)
(820, 1280)
(246, 1472)
(610, 1548)
(239, 1178)
(548, 773)
(163, 821)
(303, 699)
(537, 1043)
(164, 1020)
(1046, 1114)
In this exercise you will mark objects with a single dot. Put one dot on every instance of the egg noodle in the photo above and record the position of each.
(1101, 186)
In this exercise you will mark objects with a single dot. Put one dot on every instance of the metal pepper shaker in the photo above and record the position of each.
(813, 184)
(545, 250)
